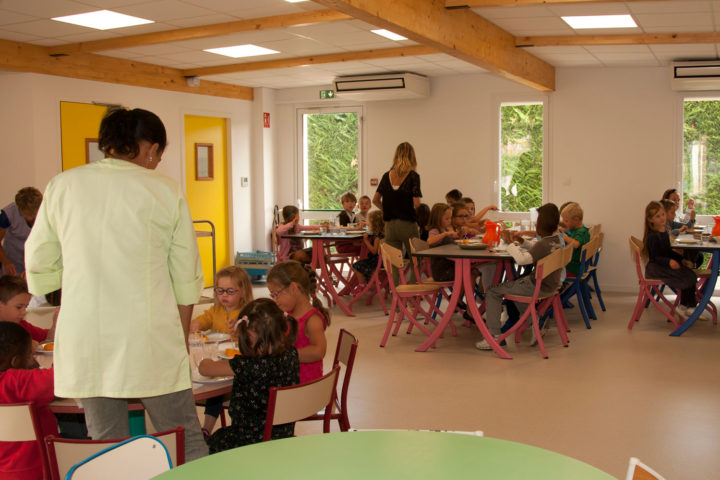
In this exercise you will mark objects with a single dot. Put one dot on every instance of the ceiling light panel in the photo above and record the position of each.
(239, 51)
(600, 21)
(103, 20)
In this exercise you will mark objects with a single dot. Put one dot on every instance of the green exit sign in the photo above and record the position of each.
(327, 94)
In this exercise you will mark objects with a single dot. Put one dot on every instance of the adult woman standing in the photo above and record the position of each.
(398, 195)
(118, 238)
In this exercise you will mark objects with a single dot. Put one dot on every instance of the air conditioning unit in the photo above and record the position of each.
(700, 75)
(384, 86)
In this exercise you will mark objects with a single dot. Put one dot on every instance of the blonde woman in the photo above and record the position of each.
(398, 195)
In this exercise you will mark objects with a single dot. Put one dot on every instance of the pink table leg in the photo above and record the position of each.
(319, 263)
(449, 312)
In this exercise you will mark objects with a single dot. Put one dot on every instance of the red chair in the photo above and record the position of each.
(20, 423)
(538, 304)
(64, 453)
(297, 402)
(403, 294)
(374, 286)
(344, 355)
(650, 289)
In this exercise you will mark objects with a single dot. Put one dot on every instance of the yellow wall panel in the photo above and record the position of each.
(78, 121)
(208, 199)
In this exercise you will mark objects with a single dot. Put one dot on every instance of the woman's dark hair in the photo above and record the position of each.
(122, 130)
(14, 341)
(668, 192)
(455, 195)
(276, 332)
(304, 276)
(548, 219)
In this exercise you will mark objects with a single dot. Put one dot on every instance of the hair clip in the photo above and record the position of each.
(243, 319)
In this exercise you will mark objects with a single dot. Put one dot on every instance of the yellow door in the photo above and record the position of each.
(79, 127)
(207, 191)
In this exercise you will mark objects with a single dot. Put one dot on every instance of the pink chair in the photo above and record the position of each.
(538, 304)
(403, 294)
(375, 286)
(650, 289)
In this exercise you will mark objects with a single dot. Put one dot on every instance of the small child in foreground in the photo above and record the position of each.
(14, 300)
(22, 381)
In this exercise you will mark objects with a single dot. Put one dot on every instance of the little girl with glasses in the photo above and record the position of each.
(232, 292)
(292, 286)
(268, 359)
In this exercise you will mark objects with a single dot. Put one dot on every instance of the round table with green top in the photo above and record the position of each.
(387, 454)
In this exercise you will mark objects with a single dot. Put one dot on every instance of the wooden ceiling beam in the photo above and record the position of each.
(509, 3)
(459, 32)
(23, 57)
(205, 31)
(633, 39)
(312, 60)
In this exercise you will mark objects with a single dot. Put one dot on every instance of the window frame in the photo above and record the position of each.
(301, 159)
(507, 100)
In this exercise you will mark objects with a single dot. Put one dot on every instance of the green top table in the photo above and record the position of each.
(387, 454)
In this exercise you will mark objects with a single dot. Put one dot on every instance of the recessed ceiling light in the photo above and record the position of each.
(238, 51)
(600, 21)
(103, 20)
(388, 34)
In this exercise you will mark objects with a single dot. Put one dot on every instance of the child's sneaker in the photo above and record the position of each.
(683, 312)
(484, 345)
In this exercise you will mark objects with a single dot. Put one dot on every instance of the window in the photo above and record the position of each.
(330, 152)
(701, 154)
(521, 156)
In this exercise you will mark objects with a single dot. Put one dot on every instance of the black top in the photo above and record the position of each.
(659, 249)
(398, 204)
(345, 218)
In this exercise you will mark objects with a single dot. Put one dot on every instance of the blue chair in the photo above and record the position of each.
(578, 285)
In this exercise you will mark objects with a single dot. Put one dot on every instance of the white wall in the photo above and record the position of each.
(30, 128)
(613, 145)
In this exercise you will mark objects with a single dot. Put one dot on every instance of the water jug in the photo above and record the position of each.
(716, 228)
(492, 233)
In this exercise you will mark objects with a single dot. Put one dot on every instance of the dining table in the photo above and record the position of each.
(464, 258)
(329, 280)
(688, 242)
(397, 454)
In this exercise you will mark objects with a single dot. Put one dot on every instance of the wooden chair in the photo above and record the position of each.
(595, 229)
(650, 289)
(403, 293)
(297, 402)
(20, 423)
(593, 266)
(423, 275)
(578, 284)
(639, 471)
(63, 453)
(140, 458)
(374, 286)
(344, 355)
(538, 304)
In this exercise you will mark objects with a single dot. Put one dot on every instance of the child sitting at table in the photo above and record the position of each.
(440, 232)
(547, 223)
(674, 228)
(423, 217)
(268, 359)
(453, 196)
(21, 381)
(666, 264)
(574, 233)
(14, 299)
(292, 248)
(365, 268)
(364, 204)
(345, 218)
(460, 217)
(687, 218)
(292, 286)
(232, 292)
(476, 220)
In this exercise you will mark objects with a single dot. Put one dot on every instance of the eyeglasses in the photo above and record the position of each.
(462, 216)
(274, 295)
(222, 291)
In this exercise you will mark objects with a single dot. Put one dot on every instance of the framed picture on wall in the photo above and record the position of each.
(92, 152)
(203, 161)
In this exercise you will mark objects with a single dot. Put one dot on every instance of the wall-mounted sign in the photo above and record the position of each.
(266, 119)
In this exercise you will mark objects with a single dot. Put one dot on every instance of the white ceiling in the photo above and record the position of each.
(29, 21)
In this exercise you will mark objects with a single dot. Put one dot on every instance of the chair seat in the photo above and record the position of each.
(702, 272)
(416, 288)
(437, 283)
(527, 299)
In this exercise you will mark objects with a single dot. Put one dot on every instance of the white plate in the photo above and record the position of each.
(217, 337)
(221, 350)
(688, 241)
(42, 351)
(197, 378)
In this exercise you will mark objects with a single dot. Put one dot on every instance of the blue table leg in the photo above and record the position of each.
(707, 294)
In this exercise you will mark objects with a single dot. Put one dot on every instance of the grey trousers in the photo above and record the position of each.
(108, 418)
(398, 234)
(494, 296)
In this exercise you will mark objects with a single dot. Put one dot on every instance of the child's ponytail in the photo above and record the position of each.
(312, 291)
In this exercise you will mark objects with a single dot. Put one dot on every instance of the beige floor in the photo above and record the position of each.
(612, 394)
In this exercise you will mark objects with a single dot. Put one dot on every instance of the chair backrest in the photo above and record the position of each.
(550, 263)
(636, 247)
(20, 424)
(391, 256)
(296, 402)
(345, 354)
(140, 458)
(588, 252)
(595, 229)
(567, 255)
(64, 453)
(417, 244)
(639, 471)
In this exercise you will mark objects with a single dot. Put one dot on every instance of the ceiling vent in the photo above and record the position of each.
(384, 86)
(701, 75)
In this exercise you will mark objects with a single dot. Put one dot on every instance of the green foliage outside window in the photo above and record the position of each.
(701, 155)
(332, 150)
(521, 157)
